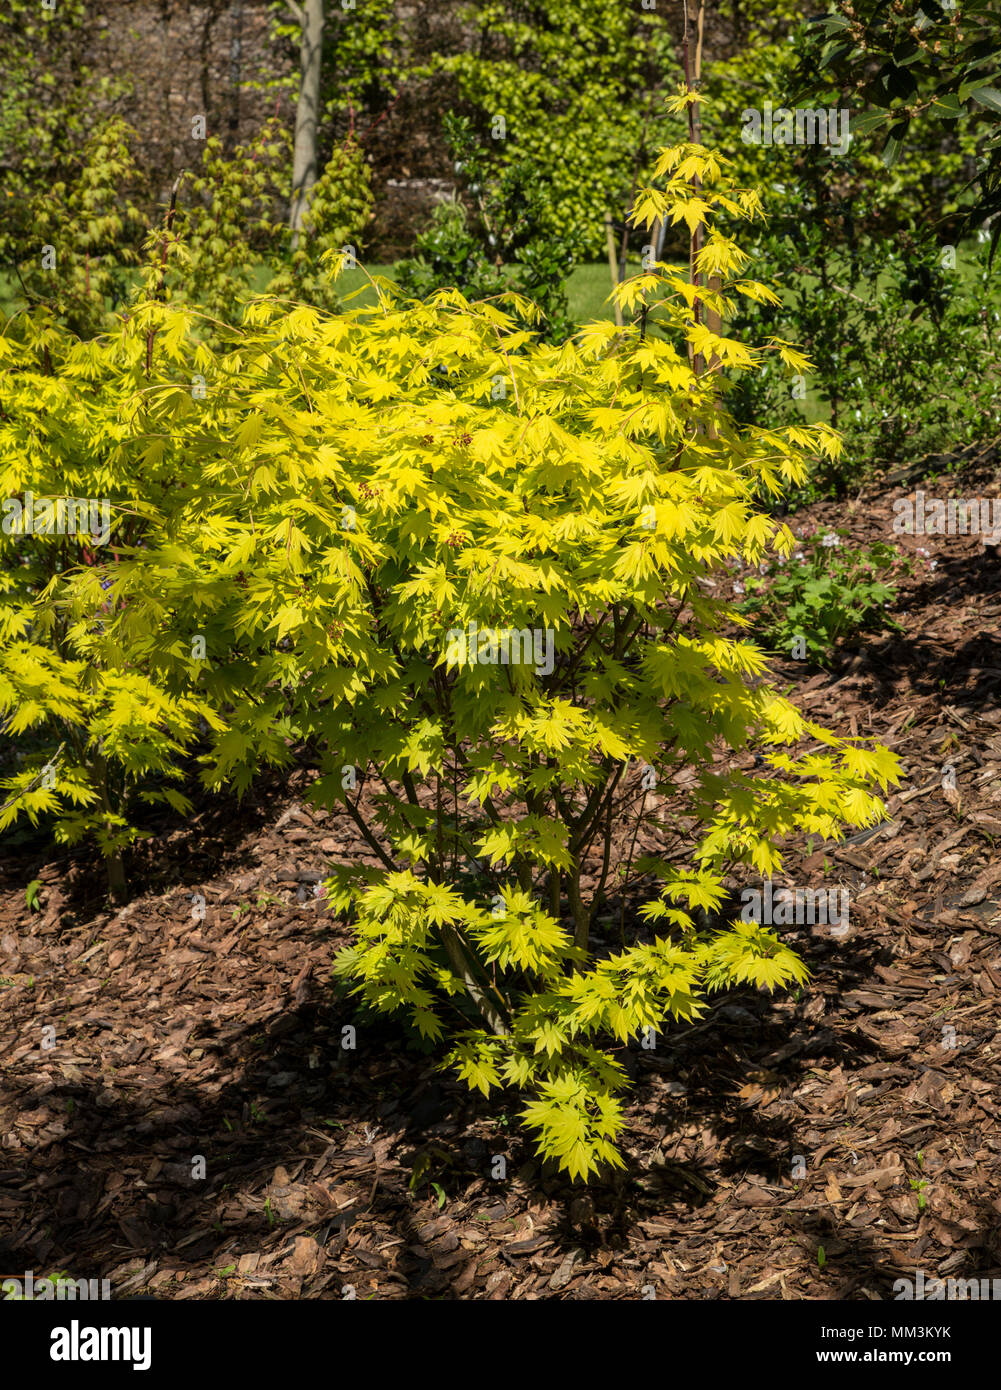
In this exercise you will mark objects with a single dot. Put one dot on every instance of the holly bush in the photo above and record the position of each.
(891, 327)
(912, 64)
(465, 576)
(449, 255)
(927, 181)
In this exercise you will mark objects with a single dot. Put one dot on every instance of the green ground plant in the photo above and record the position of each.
(228, 218)
(826, 591)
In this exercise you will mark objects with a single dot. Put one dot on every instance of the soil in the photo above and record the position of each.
(182, 1111)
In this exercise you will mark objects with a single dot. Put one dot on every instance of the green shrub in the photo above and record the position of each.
(913, 67)
(448, 255)
(73, 250)
(52, 106)
(231, 220)
(95, 737)
(340, 208)
(890, 328)
(506, 243)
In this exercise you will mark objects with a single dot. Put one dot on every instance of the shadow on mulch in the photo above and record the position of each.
(118, 1178)
(857, 1118)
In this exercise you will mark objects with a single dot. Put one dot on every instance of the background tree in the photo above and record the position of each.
(346, 67)
(51, 106)
(309, 16)
(908, 60)
(574, 87)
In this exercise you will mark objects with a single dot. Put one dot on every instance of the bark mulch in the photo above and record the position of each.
(182, 1112)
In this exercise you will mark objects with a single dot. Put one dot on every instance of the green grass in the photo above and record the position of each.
(587, 289)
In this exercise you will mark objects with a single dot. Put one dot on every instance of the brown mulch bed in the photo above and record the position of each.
(816, 1145)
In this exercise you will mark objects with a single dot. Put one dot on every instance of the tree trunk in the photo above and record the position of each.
(713, 322)
(693, 80)
(235, 75)
(115, 864)
(463, 967)
(307, 115)
(117, 882)
(613, 266)
(581, 915)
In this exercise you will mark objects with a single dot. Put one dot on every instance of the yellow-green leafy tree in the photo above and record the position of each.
(468, 578)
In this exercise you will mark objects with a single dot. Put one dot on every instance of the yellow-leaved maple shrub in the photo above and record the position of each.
(377, 521)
